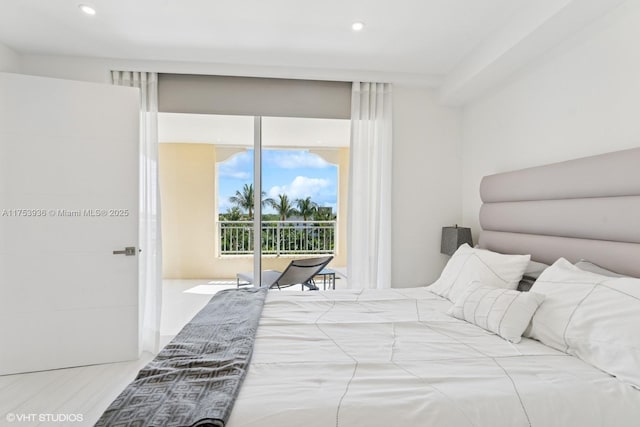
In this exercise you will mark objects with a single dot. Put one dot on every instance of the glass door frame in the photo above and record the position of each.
(257, 199)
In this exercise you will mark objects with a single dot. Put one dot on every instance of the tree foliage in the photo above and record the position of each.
(283, 207)
(278, 237)
(306, 208)
(244, 199)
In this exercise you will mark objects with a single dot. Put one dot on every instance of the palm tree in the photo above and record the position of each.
(244, 199)
(306, 207)
(233, 214)
(283, 206)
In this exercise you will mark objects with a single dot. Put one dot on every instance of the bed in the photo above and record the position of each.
(397, 357)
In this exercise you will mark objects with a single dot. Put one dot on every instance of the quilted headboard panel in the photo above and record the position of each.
(585, 208)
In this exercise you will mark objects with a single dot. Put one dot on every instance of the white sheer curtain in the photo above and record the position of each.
(369, 222)
(150, 261)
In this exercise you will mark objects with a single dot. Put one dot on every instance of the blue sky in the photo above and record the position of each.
(296, 173)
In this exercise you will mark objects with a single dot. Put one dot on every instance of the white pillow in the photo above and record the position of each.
(591, 316)
(503, 311)
(468, 264)
(534, 269)
(591, 267)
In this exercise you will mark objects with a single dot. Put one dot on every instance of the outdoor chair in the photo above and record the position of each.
(298, 272)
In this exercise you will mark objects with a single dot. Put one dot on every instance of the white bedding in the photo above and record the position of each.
(395, 358)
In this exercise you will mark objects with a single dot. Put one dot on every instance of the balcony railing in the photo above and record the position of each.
(278, 237)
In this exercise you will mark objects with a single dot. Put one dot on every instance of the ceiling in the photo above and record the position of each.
(412, 36)
(280, 132)
(462, 47)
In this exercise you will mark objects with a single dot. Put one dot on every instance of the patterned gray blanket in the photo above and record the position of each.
(195, 379)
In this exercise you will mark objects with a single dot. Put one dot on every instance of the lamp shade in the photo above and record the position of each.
(453, 238)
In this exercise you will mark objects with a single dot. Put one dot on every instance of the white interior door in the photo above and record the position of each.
(68, 199)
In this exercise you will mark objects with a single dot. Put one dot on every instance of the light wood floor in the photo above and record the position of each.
(28, 399)
(85, 392)
(82, 392)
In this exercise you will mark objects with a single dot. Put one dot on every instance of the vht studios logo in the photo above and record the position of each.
(44, 418)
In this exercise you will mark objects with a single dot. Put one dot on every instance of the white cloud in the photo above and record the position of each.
(234, 174)
(224, 205)
(297, 159)
(301, 187)
(237, 167)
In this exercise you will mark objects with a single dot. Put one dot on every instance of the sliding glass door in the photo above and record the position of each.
(243, 194)
(237, 181)
(304, 168)
(285, 152)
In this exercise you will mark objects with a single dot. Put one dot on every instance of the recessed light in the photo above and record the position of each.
(87, 9)
(357, 26)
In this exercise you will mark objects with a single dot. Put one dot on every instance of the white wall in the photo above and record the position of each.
(581, 99)
(9, 60)
(426, 160)
(426, 183)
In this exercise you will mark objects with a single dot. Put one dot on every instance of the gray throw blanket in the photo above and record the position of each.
(195, 379)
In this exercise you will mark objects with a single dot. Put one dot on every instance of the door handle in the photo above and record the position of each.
(128, 251)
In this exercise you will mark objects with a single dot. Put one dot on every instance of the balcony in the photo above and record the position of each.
(278, 237)
(199, 242)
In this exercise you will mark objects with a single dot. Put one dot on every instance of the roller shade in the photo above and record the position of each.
(252, 96)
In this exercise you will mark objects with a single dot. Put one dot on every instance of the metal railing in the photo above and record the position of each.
(278, 237)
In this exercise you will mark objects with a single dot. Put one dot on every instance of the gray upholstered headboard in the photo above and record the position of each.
(585, 208)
